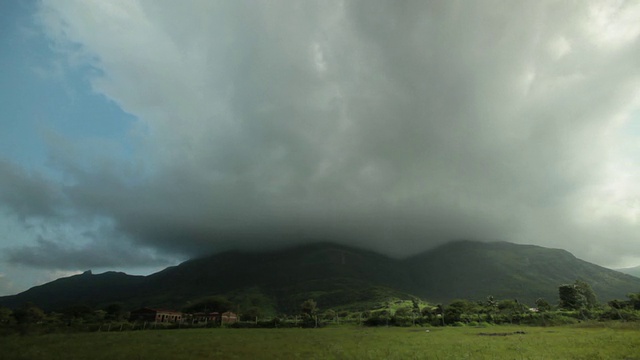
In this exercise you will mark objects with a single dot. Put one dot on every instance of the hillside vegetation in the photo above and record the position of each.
(340, 277)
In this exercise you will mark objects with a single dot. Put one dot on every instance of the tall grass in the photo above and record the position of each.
(584, 341)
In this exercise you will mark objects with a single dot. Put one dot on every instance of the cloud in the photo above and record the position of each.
(6, 286)
(48, 254)
(26, 194)
(395, 126)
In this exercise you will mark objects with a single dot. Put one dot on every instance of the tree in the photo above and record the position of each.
(543, 305)
(570, 298)
(78, 311)
(28, 314)
(491, 306)
(440, 311)
(252, 313)
(459, 310)
(617, 304)
(404, 311)
(330, 315)
(577, 296)
(512, 308)
(310, 309)
(415, 305)
(492, 303)
(6, 316)
(115, 311)
(634, 300)
(587, 293)
(428, 313)
(210, 304)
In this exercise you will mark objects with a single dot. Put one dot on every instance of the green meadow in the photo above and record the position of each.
(584, 341)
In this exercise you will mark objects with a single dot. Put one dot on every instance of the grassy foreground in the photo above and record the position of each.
(609, 341)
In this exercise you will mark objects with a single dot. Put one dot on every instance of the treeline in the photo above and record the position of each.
(29, 318)
(492, 311)
(576, 302)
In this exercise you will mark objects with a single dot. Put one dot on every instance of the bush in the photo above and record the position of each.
(377, 321)
(624, 314)
(405, 322)
(557, 319)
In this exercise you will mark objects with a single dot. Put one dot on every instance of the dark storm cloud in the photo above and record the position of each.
(49, 254)
(26, 194)
(391, 125)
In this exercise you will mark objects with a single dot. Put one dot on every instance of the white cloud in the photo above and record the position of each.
(559, 47)
(613, 24)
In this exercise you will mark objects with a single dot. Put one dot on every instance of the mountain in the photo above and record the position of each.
(85, 288)
(635, 271)
(331, 274)
(279, 281)
(474, 270)
(338, 276)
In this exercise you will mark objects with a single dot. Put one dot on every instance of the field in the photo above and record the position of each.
(594, 341)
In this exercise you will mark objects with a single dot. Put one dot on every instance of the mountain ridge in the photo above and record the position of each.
(337, 275)
(634, 271)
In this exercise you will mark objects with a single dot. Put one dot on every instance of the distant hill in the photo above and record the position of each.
(85, 288)
(338, 276)
(635, 271)
(474, 270)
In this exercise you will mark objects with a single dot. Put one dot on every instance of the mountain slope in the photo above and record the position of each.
(326, 272)
(475, 270)
(340, 276)
(634, 271)
(85, 288)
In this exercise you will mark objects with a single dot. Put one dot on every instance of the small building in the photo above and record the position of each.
(228, 317)
(204, 317)
(156, 315)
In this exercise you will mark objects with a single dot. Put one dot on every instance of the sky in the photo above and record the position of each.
(138, 134)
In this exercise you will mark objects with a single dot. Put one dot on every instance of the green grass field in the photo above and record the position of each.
(610, 341)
